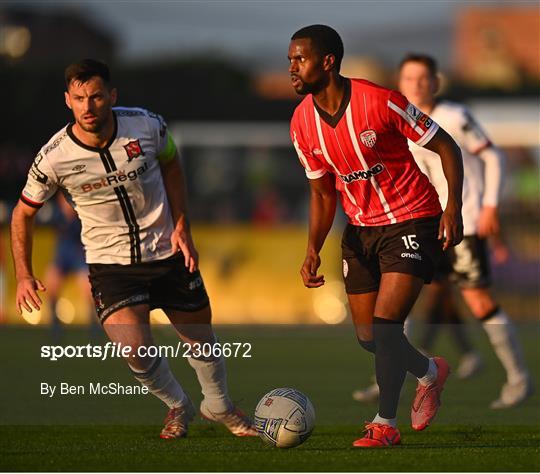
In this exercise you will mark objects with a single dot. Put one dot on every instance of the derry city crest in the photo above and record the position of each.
(368, 137)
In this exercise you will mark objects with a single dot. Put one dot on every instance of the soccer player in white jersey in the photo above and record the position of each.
(122, 171)
(467, 264)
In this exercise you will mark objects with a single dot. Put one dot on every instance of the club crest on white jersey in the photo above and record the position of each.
(133, 149)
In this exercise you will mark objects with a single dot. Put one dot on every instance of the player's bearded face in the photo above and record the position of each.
(306, 67)
(91, 103)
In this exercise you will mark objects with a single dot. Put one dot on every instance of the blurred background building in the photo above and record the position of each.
(217, 71)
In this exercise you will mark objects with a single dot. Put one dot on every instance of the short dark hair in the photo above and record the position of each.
(428, 61)
(85, 69)
(325, 40)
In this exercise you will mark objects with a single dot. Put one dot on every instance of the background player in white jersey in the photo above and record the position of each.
(121, 168)
(467, 264)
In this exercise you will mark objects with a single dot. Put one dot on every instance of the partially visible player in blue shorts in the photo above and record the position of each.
(68, 260)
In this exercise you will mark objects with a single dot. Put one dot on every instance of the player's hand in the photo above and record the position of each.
(451, 227)
(182, 241)
(488, 223)
(27, 296)
(309, 271)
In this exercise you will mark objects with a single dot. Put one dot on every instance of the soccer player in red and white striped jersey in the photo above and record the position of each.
(365, 145)
(351, 137)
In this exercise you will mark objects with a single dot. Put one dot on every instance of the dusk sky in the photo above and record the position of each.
(259, 32)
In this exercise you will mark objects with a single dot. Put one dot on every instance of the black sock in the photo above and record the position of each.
(367, 345)
(394, 356)
(390, 364)
(417, 363)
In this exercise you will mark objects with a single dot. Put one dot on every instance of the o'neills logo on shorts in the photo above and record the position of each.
(415, 255)
(361, 174)
(117, 178)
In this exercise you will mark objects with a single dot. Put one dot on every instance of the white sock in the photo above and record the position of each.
(161, 383)
(503, 338)
(431, 374)
(212, 376)
(385, 421)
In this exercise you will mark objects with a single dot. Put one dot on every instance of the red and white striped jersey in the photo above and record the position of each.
(365, 146)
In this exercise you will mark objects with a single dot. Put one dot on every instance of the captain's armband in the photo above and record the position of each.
(167, 154)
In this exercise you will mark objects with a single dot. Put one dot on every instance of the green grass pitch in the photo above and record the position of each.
(90, 433)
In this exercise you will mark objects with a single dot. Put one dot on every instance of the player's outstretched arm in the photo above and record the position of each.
(22, 230)
(451, 227)
(322, 208)
(173, 179)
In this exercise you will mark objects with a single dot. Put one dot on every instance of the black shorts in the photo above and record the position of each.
(466, 264)
(407, 247)
(165, 284)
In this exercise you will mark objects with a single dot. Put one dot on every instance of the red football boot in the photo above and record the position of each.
(176, 423)
(428, 397)
(378, 436)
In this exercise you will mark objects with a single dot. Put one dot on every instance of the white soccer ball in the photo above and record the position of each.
(284, 418)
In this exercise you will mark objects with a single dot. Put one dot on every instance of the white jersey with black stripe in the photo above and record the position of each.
(458, 121)
(117, 191)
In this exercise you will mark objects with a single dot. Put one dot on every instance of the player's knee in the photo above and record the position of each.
(198, 337)
(201, 317)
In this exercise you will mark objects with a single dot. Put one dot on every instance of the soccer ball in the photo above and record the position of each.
(284, 418)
